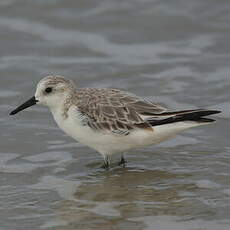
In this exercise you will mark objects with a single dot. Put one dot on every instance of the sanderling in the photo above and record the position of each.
(110, 120)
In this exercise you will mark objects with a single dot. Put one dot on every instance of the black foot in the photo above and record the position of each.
(106, 164)
(122, 161)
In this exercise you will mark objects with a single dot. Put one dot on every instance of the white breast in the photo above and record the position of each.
(74, 127)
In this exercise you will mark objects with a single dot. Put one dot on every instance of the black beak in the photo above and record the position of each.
(30, 102)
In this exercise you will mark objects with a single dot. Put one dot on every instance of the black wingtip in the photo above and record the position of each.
(200, 113)
(218, 111)
(210, 112)
(189, 115)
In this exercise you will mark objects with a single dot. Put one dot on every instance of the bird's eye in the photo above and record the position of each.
(48, 90)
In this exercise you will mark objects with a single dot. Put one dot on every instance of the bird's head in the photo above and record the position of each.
(51, 91)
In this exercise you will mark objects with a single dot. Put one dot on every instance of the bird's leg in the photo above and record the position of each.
(122, 161)
(106, 163)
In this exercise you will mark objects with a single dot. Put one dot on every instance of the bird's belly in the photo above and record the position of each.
(105, 143)
(108, 143)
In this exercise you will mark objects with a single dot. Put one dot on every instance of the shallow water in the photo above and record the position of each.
(175, 52)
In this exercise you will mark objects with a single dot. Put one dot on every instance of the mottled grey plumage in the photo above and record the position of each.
(54, 80)
(106, 110)
(114, 110)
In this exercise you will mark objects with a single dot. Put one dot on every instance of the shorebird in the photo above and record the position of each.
(111, 121)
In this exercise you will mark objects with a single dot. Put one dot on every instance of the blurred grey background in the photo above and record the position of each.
(175, 52)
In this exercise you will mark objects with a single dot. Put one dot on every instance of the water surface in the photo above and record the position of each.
(174, 52)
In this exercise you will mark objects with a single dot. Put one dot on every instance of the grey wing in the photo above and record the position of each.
(116, 111)
(144, 107)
